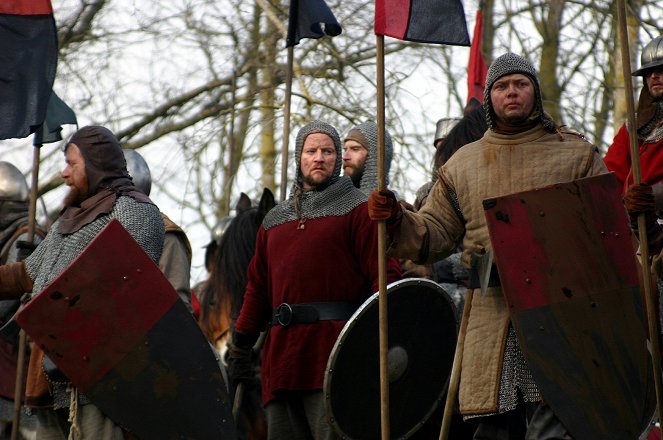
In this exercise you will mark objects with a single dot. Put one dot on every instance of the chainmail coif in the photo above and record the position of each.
(335, 198)
(508, 64)
(369, 179)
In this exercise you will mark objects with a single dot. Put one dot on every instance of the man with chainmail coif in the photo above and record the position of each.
(14, 221)
(100, 190)
(522, 149)
(315, 262)
(360, 156)
(175, 261)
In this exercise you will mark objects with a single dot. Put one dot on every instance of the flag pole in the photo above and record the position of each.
(652, 315)
(454, 379)
(22, 338)
(286, 124)
(382, 250)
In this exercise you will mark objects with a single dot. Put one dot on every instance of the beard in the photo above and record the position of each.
(74, 198)
(316, 183)
(355, 174)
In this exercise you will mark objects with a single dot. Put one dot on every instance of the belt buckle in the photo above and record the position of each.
(284, 314)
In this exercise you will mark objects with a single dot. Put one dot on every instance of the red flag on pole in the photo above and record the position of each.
(28, 60)
(477, 68)
(423, 21)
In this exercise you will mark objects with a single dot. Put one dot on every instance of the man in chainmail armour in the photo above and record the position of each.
(100, 190)
(360, 156)
(315, 263)
(522, 149)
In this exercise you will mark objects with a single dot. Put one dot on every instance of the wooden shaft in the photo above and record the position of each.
(22, 338)
(382, 252)
(454, 379)
(286, 125)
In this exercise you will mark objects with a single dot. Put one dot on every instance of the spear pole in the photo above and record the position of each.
(22, 338)
(382, 250)
(286, 124)
(650, 301)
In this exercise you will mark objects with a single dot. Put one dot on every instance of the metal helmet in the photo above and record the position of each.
(138, 170)
(652, 56)
(12, 183)
(220, 228)
(443, 127)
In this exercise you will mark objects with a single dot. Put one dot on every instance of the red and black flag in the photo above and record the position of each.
(477, 67)
(423, 21)
(28, 60)
(306, 20)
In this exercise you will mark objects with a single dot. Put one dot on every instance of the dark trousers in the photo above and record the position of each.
(529, 421)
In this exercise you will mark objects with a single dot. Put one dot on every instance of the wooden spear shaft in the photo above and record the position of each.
(382, 251)
(286, 124)
(650, 301)
(22, 338)
(454, 379)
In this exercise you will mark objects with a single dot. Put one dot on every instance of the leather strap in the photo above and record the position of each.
(306, 313)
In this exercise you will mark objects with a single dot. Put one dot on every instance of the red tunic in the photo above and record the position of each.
(331, 259)
(618, 159)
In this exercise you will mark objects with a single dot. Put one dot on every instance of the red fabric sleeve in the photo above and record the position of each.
(618, 157)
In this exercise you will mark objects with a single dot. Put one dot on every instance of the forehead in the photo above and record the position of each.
(513, 77)
(73, 153)
(352, 143)
(318, 139)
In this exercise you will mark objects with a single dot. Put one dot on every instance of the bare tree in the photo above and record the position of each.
(197, 85)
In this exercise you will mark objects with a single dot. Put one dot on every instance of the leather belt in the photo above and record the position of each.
(474, 283)
(306, 313)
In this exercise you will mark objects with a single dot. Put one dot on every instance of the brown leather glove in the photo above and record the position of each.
(639, 199)
(382, 205)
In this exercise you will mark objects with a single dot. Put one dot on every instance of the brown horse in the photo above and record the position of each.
(223, 294)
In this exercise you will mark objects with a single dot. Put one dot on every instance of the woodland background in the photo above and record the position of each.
(197, 87)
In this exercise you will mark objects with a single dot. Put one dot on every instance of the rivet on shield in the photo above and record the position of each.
(397, 360)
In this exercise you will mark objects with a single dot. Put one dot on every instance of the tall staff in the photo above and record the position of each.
(305, 21)
(439, 22)
(382, 252)
(650, 301)
(22, 338)
(57, 114)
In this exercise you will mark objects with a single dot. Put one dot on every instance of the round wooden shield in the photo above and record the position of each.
(422, 340)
